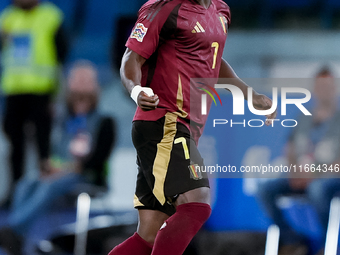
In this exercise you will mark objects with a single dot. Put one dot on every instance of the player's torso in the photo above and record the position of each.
(190, 46)
(200, 39)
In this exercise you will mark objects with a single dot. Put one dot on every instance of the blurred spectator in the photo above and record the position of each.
(32, 45)
(82, 143)
(316, 140)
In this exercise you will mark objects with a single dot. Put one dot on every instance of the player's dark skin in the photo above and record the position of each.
(150, 221)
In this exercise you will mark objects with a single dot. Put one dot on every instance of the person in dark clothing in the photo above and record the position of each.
(82, 141)
(315, 142)
(31, 56)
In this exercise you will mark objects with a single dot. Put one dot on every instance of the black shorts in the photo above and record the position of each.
(166, 163)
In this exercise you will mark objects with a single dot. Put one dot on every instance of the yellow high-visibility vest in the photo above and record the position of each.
(29, 55)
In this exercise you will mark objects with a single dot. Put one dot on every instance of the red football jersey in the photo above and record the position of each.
(181, 40)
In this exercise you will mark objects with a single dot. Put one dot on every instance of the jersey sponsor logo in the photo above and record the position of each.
(139, 32)
(198, 28)
(224, 23)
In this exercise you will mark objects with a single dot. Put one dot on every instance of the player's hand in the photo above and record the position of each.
(262, 102)
(147, 103)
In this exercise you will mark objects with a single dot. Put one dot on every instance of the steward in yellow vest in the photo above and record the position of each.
(29, 50)
(32, 46)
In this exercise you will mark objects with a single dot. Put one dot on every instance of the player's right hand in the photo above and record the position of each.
(147, 103)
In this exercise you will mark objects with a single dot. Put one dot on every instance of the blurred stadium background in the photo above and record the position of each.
(267, 39)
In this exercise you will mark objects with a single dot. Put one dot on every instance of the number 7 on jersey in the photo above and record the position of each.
(215, 45)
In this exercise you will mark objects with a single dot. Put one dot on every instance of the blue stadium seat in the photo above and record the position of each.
(289, 3)
(270, 6)
(69, 9)
(97, 50)
(99, 17)
(327, 13)
(96, 37)
(4, 4)
(302, 217)
(244, 4)
(333, 3)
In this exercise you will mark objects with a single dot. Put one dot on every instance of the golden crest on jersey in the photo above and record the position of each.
(224, 23)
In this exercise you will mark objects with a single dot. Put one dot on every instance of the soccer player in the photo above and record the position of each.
(172, 42)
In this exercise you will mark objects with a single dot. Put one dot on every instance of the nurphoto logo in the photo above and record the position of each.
(238, 105)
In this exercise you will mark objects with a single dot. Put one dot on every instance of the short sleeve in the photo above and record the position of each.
(144, 38)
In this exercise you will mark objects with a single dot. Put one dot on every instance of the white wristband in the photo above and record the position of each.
(137, 89)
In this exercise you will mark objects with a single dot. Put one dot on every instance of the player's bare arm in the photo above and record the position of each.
(131, 75)
(260, 102)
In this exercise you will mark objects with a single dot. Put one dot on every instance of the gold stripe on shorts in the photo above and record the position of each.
(136, 202)
(161, 163)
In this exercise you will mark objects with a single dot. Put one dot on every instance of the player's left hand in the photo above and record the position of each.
(262, 102)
